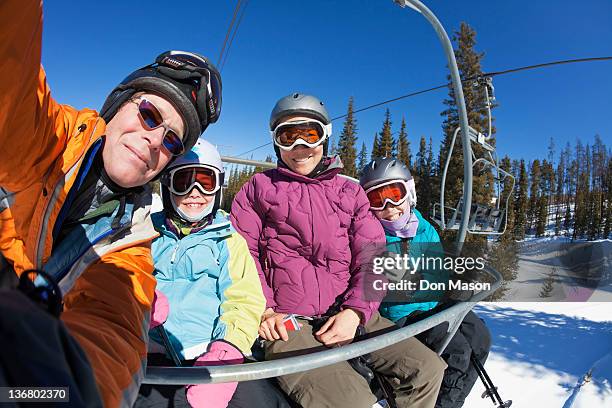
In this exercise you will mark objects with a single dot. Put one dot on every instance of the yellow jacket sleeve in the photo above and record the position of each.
(242, 298)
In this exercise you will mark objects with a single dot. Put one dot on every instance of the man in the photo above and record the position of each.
(77, 188)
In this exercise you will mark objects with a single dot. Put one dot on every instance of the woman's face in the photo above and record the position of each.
(392, 212)
(194, 202)
(301, 159)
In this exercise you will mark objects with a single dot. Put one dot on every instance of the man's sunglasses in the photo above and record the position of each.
(151, 119)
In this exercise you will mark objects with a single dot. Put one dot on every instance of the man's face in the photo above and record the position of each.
(132, 155)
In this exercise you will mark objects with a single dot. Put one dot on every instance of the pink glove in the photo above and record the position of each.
(159, 309)
(215, 395)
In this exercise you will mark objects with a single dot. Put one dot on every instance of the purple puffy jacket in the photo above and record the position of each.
(312, 239)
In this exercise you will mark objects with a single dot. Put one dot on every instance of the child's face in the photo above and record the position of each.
(301, 159)
(194, 202)
(392, 212)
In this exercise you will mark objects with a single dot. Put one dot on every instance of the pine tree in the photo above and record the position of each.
(521, 203)
(503, 257)
(549, 283)
(507, 196)
(595, 221)
(346, 144)
(541, 215)
(581, 210)
(560, 180)
(386, 142)
(375, 148)
(403, 146)
(607, 228)
(534, 190)
(598, 185)
(424, 176)
(544, 198)
(469, 64)
(420, 164)
(363, 157)
(570, 190)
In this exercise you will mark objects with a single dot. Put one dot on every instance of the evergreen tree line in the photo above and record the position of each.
(567, 194)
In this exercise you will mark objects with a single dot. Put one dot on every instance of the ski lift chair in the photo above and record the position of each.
(483, 219)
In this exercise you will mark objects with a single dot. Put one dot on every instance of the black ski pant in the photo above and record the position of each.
(460, 376)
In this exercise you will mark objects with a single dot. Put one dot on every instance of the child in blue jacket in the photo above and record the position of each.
(391, 191)
(205, 272)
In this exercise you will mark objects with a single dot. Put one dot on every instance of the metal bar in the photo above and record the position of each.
(290, 365)
(443, 182)
(256, 163)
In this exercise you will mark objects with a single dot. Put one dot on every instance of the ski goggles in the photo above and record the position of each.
(394, 192)
(208, 97)
(182, 180)
(151, 119)
(307, 132)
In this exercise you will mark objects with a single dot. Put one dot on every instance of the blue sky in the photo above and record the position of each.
(372, 50)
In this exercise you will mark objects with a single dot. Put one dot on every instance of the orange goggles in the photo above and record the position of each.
(182, 180)
(394, 192)
(310, 133)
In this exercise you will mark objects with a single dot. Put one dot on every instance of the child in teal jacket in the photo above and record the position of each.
(391, 191)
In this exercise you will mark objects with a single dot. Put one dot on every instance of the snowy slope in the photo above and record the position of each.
(542, 351)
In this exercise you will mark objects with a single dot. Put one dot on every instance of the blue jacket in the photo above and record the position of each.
(426, 243)
(212, 287)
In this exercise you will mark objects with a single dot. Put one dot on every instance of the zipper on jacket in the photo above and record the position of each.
(176, 247)
(38, 253)
(96, 240)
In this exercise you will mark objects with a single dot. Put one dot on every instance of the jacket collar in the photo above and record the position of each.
(220, 227)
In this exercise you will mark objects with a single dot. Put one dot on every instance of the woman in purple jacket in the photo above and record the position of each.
(312, 236)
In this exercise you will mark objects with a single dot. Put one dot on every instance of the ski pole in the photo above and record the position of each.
(491, 389)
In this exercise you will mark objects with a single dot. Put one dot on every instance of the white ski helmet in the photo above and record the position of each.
(202, 155)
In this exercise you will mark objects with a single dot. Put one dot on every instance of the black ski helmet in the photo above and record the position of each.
(303, 105)
(187, 80)
(384, 169)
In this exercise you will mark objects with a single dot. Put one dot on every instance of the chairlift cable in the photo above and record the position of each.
(485, 74)
(229, 30)
(229, 46)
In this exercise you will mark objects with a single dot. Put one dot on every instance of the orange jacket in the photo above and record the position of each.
(42, 143)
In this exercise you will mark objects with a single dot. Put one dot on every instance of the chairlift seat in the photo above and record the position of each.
(483, 219)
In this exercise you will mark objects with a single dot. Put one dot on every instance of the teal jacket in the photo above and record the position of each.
(425, 244)
(212, 286)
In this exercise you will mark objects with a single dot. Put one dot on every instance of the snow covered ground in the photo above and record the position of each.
(548, 353)
(542, 352)
(581, 270)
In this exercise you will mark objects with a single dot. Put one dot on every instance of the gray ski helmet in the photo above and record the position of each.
(187, 80)
(299, 104)
(384, 169)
